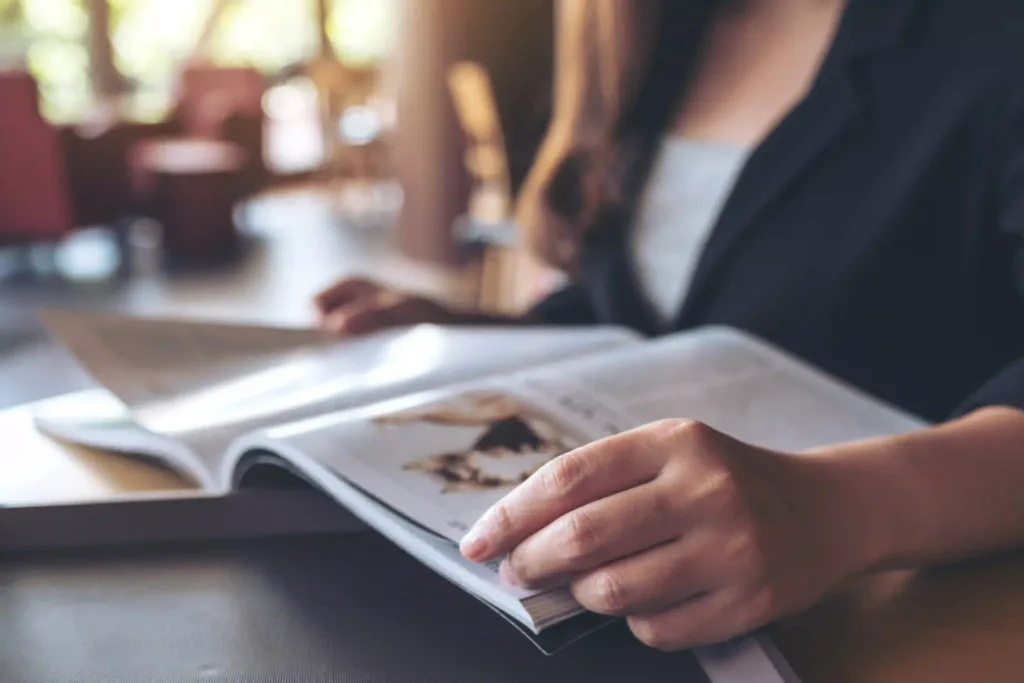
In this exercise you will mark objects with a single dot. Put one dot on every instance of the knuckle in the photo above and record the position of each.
(666, 424)
(500, 520)
(566, 474)
(664, 507)
(667, 428)
(580, 533)
(689, 441)
(694, 434)
(610, 595)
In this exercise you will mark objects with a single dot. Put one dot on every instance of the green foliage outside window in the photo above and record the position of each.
(150, 40)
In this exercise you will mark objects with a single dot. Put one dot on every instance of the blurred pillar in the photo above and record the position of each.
(325, 49)
(514, 41)
(106, 80)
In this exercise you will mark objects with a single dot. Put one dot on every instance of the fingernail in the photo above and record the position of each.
(474, 544)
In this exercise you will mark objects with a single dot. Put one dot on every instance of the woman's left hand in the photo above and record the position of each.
(693, 536)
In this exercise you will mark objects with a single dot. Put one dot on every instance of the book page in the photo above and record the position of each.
(363, 370)
(146, 360)
(724, 378)
(443, 458)
(206, 405)
(440, 459)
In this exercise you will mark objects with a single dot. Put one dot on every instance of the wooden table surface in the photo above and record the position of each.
(37, 470)
(961, 623)
(964, 623)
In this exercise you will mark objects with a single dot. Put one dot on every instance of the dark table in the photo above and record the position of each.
(346, 608)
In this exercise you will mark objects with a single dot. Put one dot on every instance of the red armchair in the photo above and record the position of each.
(35, 204)
(54, 179)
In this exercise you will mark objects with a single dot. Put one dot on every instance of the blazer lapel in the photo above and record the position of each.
(790, 150)
(771, 170)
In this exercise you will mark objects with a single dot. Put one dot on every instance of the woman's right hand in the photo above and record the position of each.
(356, 306)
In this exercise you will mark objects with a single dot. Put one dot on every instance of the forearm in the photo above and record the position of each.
(933, 496)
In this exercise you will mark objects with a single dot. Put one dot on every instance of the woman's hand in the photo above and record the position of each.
(357, 306)
(692, 535)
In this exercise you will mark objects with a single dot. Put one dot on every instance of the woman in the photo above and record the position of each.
(844, 179)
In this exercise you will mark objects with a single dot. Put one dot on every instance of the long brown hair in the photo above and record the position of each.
(620, 69)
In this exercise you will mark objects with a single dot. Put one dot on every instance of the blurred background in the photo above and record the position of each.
(229, 158)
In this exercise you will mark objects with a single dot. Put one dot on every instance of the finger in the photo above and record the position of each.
(386, 310)
(650, 581)
(561, 485)
(373, 318)
(364, 313)
(705, 620)
(392, 311)
(344, 292)
(598, 533)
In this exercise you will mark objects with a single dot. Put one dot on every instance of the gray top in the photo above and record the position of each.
(685, 193)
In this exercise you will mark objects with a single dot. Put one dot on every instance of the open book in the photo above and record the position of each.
(418, 431)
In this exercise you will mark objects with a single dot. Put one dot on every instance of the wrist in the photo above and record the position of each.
(855, 513)
(939, 494)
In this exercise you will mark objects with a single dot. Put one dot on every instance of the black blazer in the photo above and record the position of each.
(878, 231)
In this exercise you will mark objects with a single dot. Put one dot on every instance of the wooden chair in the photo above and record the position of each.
(507, 277)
